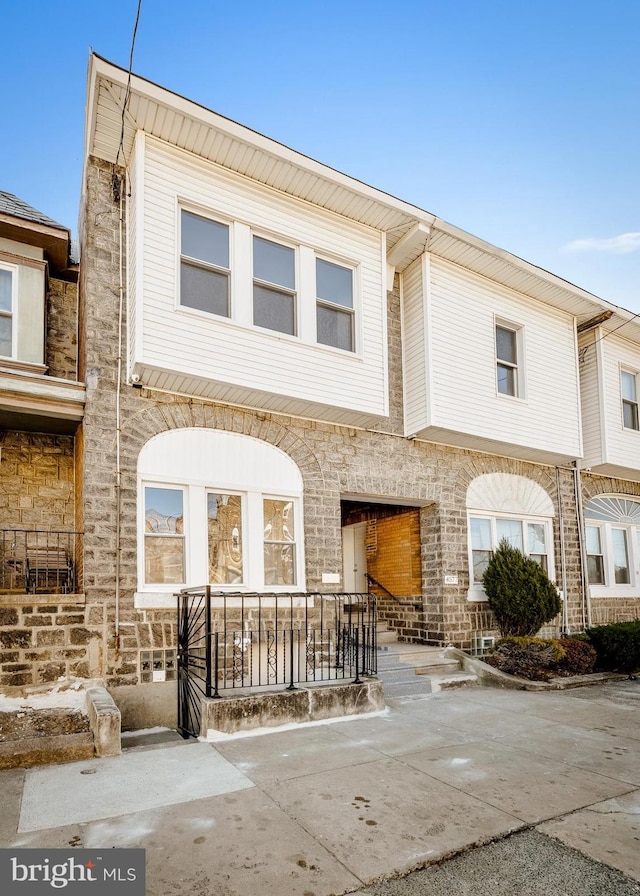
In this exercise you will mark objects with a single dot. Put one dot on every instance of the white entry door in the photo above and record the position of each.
(354, 558)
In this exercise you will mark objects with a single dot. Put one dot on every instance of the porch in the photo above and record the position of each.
(40, 562)
(243, 644)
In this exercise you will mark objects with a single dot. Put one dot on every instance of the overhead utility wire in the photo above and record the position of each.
(128, 90)
(586, 348)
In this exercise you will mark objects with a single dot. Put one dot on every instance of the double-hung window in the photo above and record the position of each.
(612, 530)
(6, 311)
(204, 264)
(334, 311)
(274, 286)
(164, 538)
(507, 371)
(629, 391)
(531, 537)
(279, 542)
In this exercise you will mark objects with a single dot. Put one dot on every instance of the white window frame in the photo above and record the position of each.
(205, 265)
(476, 591)
(241, 282)
(13, 313)
(610, 588)
(158, 483)
(631, 403)
(332, 306)
(519, 366)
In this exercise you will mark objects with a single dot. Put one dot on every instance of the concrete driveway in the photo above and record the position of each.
(327, 808)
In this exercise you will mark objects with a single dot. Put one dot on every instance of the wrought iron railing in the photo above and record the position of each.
(38, 562)
(228, 642)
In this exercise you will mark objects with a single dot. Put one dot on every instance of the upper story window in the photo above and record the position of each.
(629, 391)
(6, 312)
(507, 360)
(274, 286)
(335, 312)
(612, 529)
(204, 264)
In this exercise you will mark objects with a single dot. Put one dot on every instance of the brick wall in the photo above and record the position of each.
(393, 557)
(333, 461)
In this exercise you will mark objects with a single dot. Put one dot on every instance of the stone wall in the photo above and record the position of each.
(61, 354)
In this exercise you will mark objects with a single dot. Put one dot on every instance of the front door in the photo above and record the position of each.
(354, 558)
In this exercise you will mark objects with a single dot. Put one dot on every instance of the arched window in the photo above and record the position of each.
(612, 528)
(218, 508)
(503, 505)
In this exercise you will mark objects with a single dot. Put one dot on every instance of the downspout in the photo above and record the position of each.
(586, 600)
(120, 187)
(563, 558)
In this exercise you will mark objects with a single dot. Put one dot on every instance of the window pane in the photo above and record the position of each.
(506, 345)
(274, 263)
(335, 328)
(628, 384)
(273, 309)
(480, 563)
(506, 380)
(595, 570)
(204, 289)
(630, 415)
(620, 556)
(224, 523)
(279, 564)
(593, 540)
(512, 531)
(163, 560)
(334, 283)
(480, 533)
(540, 559)
(163, 510)
(278, 520)
(536, 541)
(5, 336)
(5, 290)
(204, 239)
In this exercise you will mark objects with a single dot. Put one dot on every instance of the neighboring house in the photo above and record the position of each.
(41, 406)
(298, 383)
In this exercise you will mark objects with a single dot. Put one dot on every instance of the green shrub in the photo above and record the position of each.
(579, 657)
(532, 658)
(519, 592)
(617, 646)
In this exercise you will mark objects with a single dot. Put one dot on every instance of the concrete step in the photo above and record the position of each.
(452, 680)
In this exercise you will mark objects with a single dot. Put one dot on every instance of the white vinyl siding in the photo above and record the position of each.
(465, 309)
(185, 350)
(591, 399)
(415, 346)
(613, 448)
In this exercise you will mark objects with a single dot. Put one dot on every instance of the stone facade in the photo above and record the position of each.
(334, 460)
(61, 355)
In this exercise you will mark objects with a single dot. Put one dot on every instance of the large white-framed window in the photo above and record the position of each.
(629, 396)
(259, 279)
(509, 340)
(532, 537)
(219, 509)
(612, 530)
(8, 290)
(506, 506)
(274, 286)
(335, 312)
(204, 264)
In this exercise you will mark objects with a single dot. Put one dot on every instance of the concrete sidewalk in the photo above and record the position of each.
(327, 808)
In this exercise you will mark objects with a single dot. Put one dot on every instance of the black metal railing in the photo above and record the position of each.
(38, 561)
(228, 642)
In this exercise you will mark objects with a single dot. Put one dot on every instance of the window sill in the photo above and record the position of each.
(613, 591)
(476, 593)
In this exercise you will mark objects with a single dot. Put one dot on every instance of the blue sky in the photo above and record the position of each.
(519, 122)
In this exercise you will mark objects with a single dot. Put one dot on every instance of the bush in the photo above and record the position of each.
(532, 658)
(519, 592)
(579, 657)
(617, 646)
